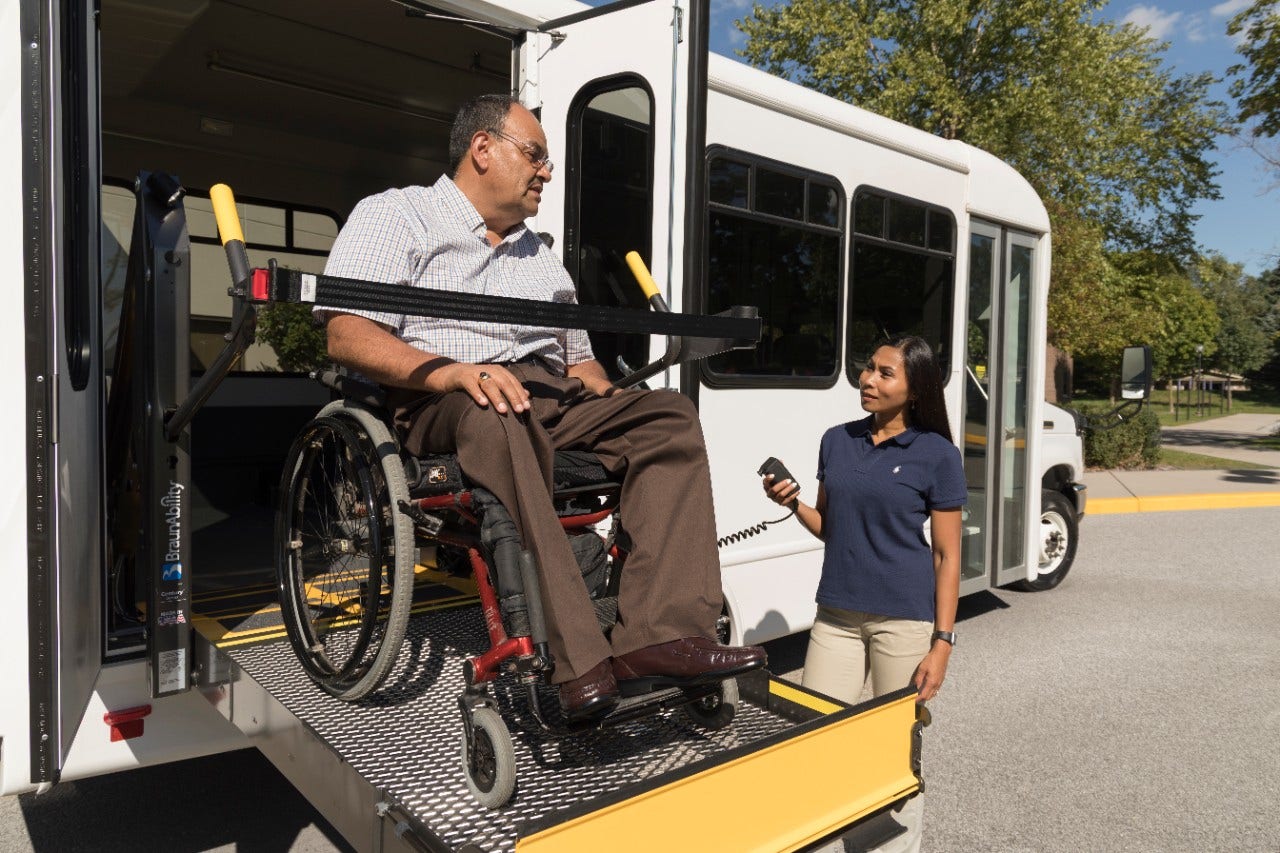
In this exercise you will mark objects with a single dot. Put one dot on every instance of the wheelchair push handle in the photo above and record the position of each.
(224, 211)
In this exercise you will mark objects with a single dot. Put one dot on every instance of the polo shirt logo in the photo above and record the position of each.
(897, 468)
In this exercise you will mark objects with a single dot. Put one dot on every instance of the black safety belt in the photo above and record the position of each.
(739, 327)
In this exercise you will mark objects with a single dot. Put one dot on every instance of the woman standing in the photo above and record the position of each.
(887, 597)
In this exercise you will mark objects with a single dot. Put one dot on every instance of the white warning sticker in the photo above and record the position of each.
(308, 287)
(173, 670)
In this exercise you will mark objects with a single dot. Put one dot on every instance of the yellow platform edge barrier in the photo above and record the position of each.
(778, 798)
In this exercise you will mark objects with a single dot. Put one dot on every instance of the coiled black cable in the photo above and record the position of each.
(748, 532)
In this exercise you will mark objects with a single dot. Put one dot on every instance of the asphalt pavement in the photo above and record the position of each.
(1133, 708)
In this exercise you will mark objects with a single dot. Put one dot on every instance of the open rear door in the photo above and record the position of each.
(621, 93)
(63, 601)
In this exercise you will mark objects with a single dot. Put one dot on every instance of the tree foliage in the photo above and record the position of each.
(1241, 303)
(1257, 84)
(1091, 312)
(290, 330)
(1178, 317)
(1083, 108)
(1269, 372)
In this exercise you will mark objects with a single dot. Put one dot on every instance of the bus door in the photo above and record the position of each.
(64, 570)
(612, 87)
(997, 407)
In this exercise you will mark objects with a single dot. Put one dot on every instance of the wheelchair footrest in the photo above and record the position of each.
(646, 705)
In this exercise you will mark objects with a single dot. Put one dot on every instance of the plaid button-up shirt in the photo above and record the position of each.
(434, 237)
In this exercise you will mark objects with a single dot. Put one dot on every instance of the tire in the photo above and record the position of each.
(489, 759)
(1059, 535)
(401, 558)
(716, 711)
(343, 595)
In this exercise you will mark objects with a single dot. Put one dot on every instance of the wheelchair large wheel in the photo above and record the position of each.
(337, 547)
(402, 555)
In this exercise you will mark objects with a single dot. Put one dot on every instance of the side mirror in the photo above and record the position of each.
(1135, 373)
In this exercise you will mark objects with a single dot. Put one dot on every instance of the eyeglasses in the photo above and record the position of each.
(530, 151)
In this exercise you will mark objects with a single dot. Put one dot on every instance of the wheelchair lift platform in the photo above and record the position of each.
(387, 771)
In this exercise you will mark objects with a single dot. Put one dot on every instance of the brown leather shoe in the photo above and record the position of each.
(592, 694)
(683, 663)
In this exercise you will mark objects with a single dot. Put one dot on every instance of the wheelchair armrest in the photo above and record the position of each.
(351, 387)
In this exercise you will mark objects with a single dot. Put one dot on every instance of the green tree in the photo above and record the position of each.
(1268, 373)
(291, 331)
(1178, 318)
(1257, 84)
(1092, 313)
(1241, 303)
(1083, 108)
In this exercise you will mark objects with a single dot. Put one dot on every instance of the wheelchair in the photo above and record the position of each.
(356, 510)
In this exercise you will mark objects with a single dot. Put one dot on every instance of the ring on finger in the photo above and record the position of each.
(484, 377)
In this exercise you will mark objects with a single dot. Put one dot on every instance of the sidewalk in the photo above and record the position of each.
(1163, 491)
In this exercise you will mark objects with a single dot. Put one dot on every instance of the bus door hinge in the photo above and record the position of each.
(678, 22)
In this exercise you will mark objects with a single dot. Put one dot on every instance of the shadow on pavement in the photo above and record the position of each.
(244, 804)
(1263, 476)
(1192, 437)
(978, 604)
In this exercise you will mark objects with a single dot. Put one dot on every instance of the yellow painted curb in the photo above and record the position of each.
(1176, 503)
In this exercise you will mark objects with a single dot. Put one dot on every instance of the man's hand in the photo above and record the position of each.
(375, 351)
(593, 377)
(486, 383)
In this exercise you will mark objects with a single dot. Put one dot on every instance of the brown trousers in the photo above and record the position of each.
(670, 587)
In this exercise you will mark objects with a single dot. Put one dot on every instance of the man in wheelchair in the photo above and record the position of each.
(505, 397)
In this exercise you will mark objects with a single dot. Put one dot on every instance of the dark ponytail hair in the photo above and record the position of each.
(927, 410)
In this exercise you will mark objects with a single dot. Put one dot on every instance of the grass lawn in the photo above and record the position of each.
(1182, 461)
(1247, 403)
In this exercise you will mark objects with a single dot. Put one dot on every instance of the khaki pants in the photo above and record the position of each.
(670, 586)
(850, 651)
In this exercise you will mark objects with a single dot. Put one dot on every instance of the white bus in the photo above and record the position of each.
(736, 186)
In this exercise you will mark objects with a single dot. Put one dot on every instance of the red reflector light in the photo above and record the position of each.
(127, 722)
(260, 289)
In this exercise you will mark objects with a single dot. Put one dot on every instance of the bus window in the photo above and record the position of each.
(773, 240)
(295, 238)
(610, 206)
(902, 275)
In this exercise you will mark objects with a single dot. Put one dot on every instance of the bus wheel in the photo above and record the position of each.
(1059, 534)
(489, 758)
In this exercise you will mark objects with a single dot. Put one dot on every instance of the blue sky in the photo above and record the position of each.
(1244, 225)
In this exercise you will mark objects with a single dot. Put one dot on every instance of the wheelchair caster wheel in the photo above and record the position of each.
(489, 759)
(717, 710)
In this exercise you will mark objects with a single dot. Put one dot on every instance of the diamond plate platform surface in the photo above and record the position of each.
(406, 738)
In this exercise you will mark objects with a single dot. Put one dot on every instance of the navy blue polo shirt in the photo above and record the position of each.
(878, 499)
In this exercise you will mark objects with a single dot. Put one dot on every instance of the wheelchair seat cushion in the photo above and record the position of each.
(439, 474)
(575, 469)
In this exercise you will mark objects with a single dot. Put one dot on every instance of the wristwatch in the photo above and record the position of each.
(948, 637)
